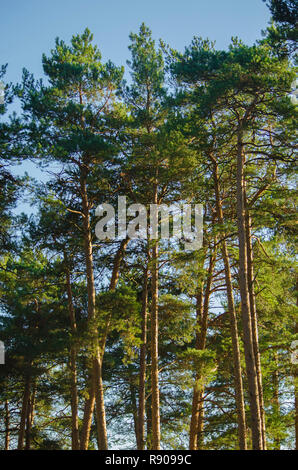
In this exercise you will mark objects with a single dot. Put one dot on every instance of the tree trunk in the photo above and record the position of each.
(142, 375)
(251, 371)
(75, 438)
(276, 405)
(96, 389)
(154, 339)
(295, 366)
(296, 408)
(87, 417)
(24, 411)
(196, 405)
(254, 320)
(154, 351)
(202, 308)
(148, 406)
(95, 382)
(200, 436)
(102, 438)
(132, 389)
(240, 406)
(7, 425)
(30, 418)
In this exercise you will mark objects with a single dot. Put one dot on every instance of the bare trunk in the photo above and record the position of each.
(102, 437)
(233, 321)
(276, 405)
(245, 306)
(154, 339)
(7, 425)
(254, 320)
(193, 432)
(30, 418)
(24, 412)
(87, 418)
(154, 351)
(296, 391)
(197, 415)
(75, 438)
(96, 389)
(132, 389)
(142, 375)
(200, 436)
(95, 382)
(149, 422)
(239, 394)
(296, 408)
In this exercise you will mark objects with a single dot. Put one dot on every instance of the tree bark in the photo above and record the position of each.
(257, 441)
(202, 308)
(296, 408)
(102, 438)
(276, 405)
(7, 425)
(24, 411)
(200, 436)
(240, 406)
(149, 420)
(87, 417)
(142, 375)
(96, 389)
(154, 351)
(95, 382)
(75, 438)
(254, 320)
(30, 418)
(132, 389)
(154, 338)
(295, 366)
(196, 405)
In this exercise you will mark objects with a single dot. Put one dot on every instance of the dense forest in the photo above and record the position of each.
(142, 343)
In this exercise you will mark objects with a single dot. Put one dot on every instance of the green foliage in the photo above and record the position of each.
(163, 131)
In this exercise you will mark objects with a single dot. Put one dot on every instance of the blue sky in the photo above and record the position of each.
(29, 27)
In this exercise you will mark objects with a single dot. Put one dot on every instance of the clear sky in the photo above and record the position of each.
(29, 27)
